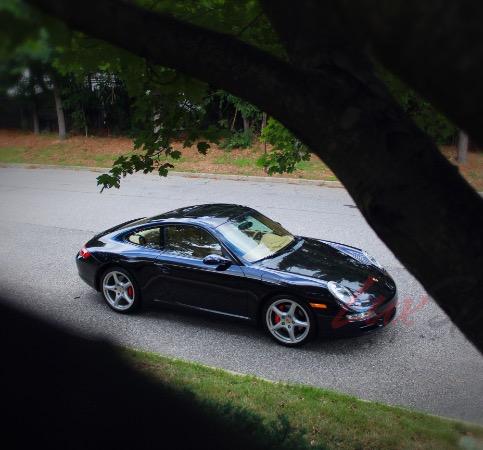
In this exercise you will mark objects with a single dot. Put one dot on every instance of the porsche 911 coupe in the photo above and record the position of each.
(233, 261)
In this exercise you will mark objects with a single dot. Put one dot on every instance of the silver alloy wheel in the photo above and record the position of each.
(287, 321)
(118, 290)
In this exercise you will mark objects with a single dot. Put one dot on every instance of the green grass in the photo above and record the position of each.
(323, 418)
(305, 165)
(42, 156)
(228, 159)
(73, 153)
(104, 160)
(12, 155)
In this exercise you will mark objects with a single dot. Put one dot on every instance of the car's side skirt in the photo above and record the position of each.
(197, 308)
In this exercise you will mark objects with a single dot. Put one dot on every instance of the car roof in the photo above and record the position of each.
(213, 214)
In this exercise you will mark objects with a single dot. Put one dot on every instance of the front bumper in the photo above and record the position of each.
(339, 324)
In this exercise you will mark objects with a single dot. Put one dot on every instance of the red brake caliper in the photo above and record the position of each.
(277, 318)
(130, 291)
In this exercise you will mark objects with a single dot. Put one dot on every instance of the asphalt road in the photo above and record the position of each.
(420, 360)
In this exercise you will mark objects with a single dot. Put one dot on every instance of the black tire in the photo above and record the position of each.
(289, 333)
(120, 290)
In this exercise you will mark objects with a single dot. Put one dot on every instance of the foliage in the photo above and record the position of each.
(24, 72)
(160, 118)
(109, 88)
(247, 110)
(238, 139)
(429, 119)
(287, 150)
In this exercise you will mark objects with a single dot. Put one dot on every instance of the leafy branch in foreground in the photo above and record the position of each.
(162, 115)
(147, 162)
(287, 150)
(135, 163)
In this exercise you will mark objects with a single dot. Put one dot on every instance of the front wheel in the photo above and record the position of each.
(290, 322)
(119, 290)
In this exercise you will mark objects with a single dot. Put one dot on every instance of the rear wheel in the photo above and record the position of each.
(289, 321)
(119, 290)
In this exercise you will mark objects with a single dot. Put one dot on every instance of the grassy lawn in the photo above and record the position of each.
(322, 418)
(18, 147)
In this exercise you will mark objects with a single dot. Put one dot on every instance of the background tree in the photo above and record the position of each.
(463, 143)
(31, 73)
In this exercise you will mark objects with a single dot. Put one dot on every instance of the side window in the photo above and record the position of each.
(150, 237)
(191, 242)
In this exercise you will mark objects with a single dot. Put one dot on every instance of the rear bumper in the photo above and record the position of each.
(87, 270)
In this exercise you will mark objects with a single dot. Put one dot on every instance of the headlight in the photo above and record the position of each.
(346, 297)
(373, 260)
(340, 293)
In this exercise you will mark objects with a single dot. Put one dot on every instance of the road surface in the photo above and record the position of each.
(419, 361)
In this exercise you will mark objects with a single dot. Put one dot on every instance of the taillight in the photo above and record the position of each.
(84, 254)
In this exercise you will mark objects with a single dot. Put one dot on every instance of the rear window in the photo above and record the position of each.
(150, 238)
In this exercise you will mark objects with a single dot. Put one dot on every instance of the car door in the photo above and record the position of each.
(190, 282)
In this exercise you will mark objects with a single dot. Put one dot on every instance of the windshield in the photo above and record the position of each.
(255, 236)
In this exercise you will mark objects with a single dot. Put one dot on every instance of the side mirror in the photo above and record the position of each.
(216, 260)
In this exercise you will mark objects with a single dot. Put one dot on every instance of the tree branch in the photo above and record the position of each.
(408, 209)
(435, 46)
(216, 58)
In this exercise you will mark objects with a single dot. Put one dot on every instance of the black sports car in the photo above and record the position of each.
(232, 260)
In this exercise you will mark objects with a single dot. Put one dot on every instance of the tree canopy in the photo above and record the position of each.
(105, 86)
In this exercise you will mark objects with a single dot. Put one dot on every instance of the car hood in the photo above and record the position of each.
(329, 261)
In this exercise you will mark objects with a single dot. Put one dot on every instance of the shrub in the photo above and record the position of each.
(287, 150)
(238, 139)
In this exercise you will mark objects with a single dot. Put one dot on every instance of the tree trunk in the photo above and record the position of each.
(86, 127)
(234, 120)
(462, 147)
(246, 124)
(24, 121)
(264, 121)
(60, 112)
(358, 131)
(35, 117)
(412, 197)
(262, 126)
(434, 46)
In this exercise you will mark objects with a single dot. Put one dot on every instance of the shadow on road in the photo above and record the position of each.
(197, 320)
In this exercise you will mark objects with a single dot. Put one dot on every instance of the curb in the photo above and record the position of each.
(212, 176)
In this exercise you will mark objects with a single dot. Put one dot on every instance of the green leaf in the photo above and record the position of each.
(203, 147)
